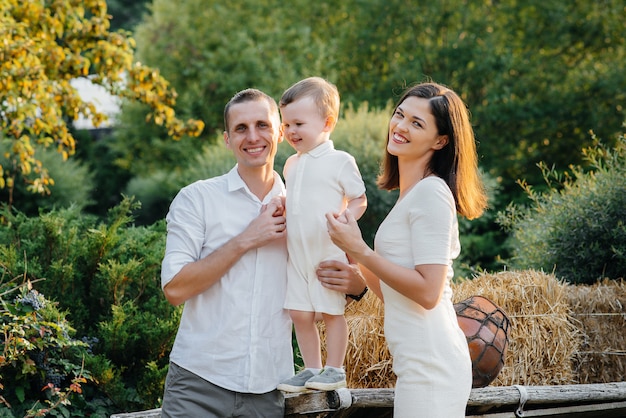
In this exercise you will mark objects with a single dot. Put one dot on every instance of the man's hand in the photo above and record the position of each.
(341, 277)
(269, 226)
(194, 278)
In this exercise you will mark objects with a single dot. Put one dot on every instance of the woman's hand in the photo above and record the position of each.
(345, 234)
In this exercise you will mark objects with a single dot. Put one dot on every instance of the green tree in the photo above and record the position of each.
(126, 14)
(209, 50)
(551, 72)
(577, 228)
(537, 75)
(47, 44)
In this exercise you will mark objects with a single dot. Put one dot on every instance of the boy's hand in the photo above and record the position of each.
(342, 217)
(276, 206)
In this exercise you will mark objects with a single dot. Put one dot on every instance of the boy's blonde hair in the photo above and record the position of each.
(323, 92)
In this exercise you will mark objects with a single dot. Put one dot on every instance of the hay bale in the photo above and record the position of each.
(368, 361)
(560, 333)
(543, 338)
(541, 343)
(600, 311)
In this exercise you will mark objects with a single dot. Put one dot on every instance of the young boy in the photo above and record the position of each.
(319, 180)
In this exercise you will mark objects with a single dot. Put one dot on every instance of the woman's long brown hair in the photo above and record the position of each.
(457, 162)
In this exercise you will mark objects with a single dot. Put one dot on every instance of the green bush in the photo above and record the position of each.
(106, 276)
(94, 149)
(42, 365)
(73, 183)
(578, 227)
(482, 243)
(157, 190)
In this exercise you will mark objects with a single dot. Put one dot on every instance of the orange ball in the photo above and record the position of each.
(486, 328)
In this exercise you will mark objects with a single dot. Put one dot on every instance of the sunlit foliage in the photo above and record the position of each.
(46, 44)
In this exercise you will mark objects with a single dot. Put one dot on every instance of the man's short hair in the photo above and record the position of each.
(249, 95)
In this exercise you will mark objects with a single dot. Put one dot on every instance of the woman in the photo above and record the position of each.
(431, 157)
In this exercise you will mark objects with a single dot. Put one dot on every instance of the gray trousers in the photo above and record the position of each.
(188, 396)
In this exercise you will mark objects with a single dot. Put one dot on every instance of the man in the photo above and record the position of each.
(226, 260)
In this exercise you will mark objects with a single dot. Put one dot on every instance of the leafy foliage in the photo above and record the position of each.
(157, 190)
(209, 62)
(106, 275)
(537, 75)
(545, 74)
(126, 13)
(72, 186)
(42, 365)
(578, 227)
(106, 180)
(482, 248)
(45, 45)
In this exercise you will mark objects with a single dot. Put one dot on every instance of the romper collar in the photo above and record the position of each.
(322, 149)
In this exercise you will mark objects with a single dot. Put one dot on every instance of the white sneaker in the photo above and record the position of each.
(296, 383)
(328, 379)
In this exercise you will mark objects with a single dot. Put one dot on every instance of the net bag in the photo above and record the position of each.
(486, 327)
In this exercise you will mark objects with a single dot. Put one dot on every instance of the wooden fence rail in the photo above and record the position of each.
(602, 400)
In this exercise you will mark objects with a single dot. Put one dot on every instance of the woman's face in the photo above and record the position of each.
(413, 130)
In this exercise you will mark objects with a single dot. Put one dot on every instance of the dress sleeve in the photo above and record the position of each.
(432, 221)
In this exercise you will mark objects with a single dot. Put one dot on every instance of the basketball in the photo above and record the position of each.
(486, 328)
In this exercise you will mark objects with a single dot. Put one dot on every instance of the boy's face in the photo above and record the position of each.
(253, 134)
(303, 126)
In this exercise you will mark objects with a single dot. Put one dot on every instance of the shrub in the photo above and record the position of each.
(481, 239)
(156, 191)
(578, 227)
(42, 365)
(73, 183)
(106, 276)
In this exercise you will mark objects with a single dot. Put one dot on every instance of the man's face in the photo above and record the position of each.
(253, 134)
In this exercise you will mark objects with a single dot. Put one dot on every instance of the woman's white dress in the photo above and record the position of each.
(430, 352)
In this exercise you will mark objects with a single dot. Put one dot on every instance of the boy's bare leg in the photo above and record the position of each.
(336, 339)
(308, 338)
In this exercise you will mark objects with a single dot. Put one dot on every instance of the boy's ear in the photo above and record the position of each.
(226, 139)
(330, 123)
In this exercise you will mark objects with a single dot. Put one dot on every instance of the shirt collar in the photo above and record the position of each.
(235, 182)
(322, 149)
